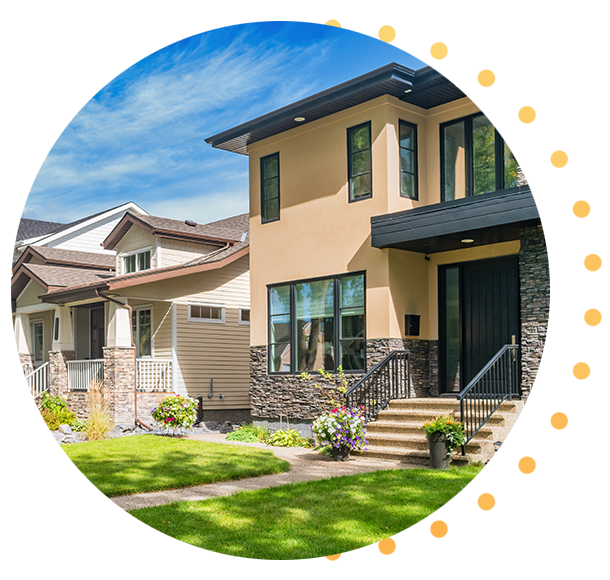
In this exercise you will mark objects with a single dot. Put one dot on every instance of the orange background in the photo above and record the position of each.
(541, 497)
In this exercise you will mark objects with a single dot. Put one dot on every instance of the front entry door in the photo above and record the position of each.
(478, 314)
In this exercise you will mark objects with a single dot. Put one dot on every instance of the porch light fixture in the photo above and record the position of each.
(299, 119)
(467, 241)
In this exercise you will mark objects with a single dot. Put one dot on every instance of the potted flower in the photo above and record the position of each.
(174, 413)
(343, 429)
(444, 434)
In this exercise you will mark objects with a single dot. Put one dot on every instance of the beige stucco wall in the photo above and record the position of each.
(320, 233)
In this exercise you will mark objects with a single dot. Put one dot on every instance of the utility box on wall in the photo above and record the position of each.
(412, 324)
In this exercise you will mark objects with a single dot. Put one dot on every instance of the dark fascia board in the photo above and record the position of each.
(393, 79)
(488, 218)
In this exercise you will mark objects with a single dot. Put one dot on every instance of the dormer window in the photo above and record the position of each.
(136, 261)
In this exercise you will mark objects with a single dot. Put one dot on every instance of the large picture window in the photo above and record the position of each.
(359, 162)
(270, 188)
(317, 324)
(408, 159)
(474, 159)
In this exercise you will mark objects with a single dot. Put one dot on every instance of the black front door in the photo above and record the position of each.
(478, 314)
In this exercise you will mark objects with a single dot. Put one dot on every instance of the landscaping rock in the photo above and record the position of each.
(212, 425)
(226, 427)
(66, 429)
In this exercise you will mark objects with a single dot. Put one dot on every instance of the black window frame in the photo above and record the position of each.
(350, 199)
(415, 160)
(264, 219)
(469, 172)
(337, 321)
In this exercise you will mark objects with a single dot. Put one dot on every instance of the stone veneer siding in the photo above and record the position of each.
(119, 375)
(534, 287)
(58, 372)
(274, 396)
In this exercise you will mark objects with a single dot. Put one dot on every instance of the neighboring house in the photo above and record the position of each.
(85, 234)
(181, 289)
(387, 213)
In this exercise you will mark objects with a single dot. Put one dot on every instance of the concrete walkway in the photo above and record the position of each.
(305, 465)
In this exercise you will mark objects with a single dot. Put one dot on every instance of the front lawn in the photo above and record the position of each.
(310, 519)
(141, 463)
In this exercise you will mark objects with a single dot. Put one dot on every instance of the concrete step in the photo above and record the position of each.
(413, 428)
(443, 406)
(408, 456)
(411, 442)
(422, 415)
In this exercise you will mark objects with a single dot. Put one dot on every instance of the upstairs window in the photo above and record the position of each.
(270, 188)
(136, 261)
(359, 162)
(408, 160)
(474, 159)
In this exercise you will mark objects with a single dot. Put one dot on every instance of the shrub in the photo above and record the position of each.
(55, 412)
(288, 438)
(249, 432)
(175, 412)
(341, 427)
(99, 423)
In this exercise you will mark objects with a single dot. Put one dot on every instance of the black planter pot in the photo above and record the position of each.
(341, 453)
(439, 457)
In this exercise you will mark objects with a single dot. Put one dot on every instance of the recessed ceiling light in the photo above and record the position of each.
(467, 241)
(299, 119)
(408, 90)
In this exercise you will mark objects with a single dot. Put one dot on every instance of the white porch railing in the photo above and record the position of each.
(38, 379)
(81, 373)
(154, 375)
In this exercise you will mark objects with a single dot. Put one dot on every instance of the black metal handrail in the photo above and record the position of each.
(389, 379)
(497, 382)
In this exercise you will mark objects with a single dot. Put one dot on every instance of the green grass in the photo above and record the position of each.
(141, 463)
(310, 519)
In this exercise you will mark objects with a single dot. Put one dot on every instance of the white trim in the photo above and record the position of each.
(136, 253)
(83, 225)
(174, 347)
(207, 305)
(34, 308)
(244, 322)
(157, 254)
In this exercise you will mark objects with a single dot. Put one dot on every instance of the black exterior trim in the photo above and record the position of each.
(487, 218)
(427, 88)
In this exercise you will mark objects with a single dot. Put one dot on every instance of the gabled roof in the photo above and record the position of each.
(58, 256)
(65, 229)
(29, 228)
(52, 277)
(424, 88)
(218, 233)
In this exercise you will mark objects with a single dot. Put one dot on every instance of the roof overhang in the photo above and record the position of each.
(424, 88)
(489, 218)
(129, 220)
(87, 291)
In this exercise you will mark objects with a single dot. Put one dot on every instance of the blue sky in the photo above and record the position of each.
(141, 138)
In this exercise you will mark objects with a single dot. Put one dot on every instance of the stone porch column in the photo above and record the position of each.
(119, 365)
(62, 350)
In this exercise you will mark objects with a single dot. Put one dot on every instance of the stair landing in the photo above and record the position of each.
(395, 434)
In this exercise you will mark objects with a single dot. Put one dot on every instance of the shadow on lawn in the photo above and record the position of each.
(310, 519)
(150, 463)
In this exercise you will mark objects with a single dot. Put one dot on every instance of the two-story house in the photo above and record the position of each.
(167, 313)
(387, 213)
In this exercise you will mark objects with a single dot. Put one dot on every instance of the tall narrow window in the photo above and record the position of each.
(270, 188)
(279, 330)
(142, 331)
(37, 334)
(359, 162)
(474, 159)
(351, 327)
(408, 160)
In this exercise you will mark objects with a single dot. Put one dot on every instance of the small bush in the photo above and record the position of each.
(288, 438)
(250, 433)
(245, 436)
(55, 412)
(99, 423)
(175, 412)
